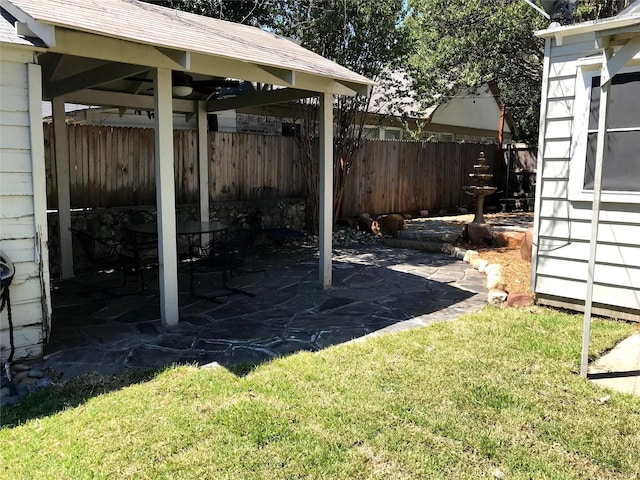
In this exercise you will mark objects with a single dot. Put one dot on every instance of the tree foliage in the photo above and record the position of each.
(251, 12)
(364, 36)
(462, 44)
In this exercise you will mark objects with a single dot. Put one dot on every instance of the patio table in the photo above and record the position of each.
(190, 229)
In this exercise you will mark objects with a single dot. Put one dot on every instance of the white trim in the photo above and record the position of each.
(34, 75)
(582, 103)
(546, 67)
(325, 120)
(165, 199)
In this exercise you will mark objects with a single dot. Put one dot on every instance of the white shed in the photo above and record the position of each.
(587, 227)
(129, 54)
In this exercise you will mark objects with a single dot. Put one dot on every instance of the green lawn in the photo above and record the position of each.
(491, 393)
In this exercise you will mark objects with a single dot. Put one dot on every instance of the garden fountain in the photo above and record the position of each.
(481, 189)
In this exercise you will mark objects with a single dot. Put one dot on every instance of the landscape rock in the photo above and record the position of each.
(476, 260)
(496, 296)
(469, 254)
(526, 245)
(35, 373)
(495, 279)
(19, 367)
(18, 377)
(387, 224)
(482, 265)
(516, 299)
(478, 234)
(424, 213)
(448, 248)
(510, 240)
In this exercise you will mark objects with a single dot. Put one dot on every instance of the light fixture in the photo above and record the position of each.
(182, 90)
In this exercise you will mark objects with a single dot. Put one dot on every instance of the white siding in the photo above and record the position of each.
(564, 227)
(17, 216)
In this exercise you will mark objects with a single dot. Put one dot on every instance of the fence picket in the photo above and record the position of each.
(115, 166)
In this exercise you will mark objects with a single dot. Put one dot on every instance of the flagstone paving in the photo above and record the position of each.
(376, 289)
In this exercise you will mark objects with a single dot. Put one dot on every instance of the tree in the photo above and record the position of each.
(251, 12)
(364, 36)
(462, 44)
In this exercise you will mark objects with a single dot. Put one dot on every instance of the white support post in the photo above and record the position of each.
(166, 198)
(203, 165)
(325, 120)
(595, 210)
(62, 179)
(38, 169)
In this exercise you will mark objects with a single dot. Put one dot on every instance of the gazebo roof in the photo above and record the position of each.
(137, 33)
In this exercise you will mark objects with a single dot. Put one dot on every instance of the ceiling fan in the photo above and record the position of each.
(184, 84)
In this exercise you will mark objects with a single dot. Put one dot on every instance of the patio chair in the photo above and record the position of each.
(278, 233)
(227, 252)
(142, 248)
(105, 253)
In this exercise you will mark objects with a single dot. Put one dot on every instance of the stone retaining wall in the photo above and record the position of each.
(109, 222)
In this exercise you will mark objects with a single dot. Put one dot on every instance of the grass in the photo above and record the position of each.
(492, 392)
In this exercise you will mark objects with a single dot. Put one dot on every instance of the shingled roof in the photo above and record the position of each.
(148, 24)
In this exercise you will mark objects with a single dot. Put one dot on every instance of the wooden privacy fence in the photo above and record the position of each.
(114, 166)
(391, 176)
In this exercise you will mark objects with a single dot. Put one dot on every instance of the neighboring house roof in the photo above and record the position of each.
(163, 27)
(395, 97)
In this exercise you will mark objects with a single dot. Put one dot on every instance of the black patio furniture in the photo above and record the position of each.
(106, 252)
(227, 252)
(278, 232)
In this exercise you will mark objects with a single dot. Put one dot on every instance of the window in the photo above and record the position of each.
(621, 163)
(392, 134)
(371, 133)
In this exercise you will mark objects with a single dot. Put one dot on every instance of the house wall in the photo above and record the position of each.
(477, 110)
(23, 206)
(563, 228)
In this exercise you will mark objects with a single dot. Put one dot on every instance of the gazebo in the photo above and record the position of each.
(129, 54)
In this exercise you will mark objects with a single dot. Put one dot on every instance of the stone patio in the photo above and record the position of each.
(103, 327)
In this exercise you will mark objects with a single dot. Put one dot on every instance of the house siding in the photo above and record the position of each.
(563, 227)
(18, 226)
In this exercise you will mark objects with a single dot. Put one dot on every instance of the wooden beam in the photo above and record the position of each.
(165, 199)
(50, 63)
(180, 57)
(356, 87)
(64, 195)
(268, 97)
(613, 65)
(28, 27)
(88, 45)
(90, 78)
(287, 76)
(325, 120)
(117, 99)
(82, 44)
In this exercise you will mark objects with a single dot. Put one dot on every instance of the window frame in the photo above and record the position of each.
(581, 108)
